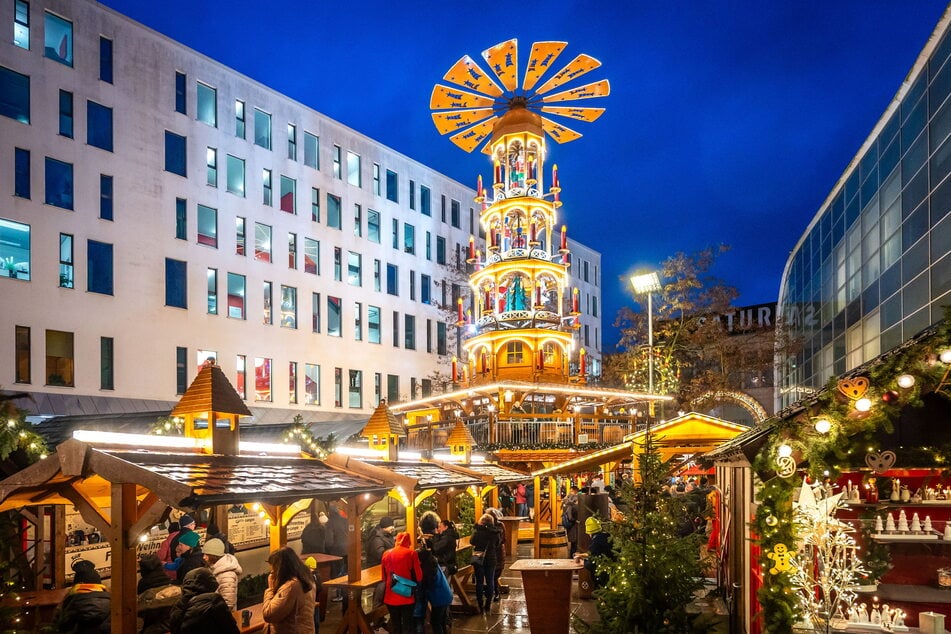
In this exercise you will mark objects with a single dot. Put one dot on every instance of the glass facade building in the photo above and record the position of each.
(873, 267)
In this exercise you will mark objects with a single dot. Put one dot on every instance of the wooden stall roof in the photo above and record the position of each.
(211, 391)
(589, 461)
(428, 475)
(181, 480)
(498, 473)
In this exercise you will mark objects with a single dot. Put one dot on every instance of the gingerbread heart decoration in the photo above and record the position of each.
(854, 388)
(880, 462)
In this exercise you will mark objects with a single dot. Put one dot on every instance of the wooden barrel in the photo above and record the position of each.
(553, 544)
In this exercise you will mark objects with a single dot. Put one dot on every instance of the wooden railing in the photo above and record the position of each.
(525, 430)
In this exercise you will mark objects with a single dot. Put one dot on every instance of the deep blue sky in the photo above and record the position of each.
(729, 121)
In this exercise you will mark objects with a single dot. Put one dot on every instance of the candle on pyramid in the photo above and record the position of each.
(947, 530)
(890, 523)
(902, 522)
(878, 524)
(928, 528)
(915, 524)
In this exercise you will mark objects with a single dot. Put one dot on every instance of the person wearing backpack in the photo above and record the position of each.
(569, 519)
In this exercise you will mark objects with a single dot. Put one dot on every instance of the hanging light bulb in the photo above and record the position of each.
(784, 451)
(863, 404)
(905, 381)
(945, 356)
(823, 425)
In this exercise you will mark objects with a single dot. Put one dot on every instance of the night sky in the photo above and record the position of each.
(728, 122)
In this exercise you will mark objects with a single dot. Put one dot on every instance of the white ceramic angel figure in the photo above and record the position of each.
(875, 618)
(862, 614)
(886, 617)
(898, 619)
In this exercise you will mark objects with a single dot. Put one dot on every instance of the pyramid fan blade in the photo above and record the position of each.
(445, 98)
(457, 119)
(540, 61)
(503, 61)
(597, 89)
(468, 74)
(469, 139)
(575, 68)
(581, 114)
(559, 132)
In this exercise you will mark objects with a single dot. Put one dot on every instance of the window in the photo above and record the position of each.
(441, 340)
(236, 290)
(262, 242)
(292, 382)
(268, 293)
(392, 186)
(175, 155)
(357, 321)
(315, 311)
(354, 269)
(66, 113)
(59, 183)
(412, 285)
(21, 173)
(409, 239)
(429, 246)
(262, 379)
(338, 264)
(176, 276)
(262, 129)
(311, 256)
(311, 147)
(357, 220)
(105, 197)
(59, 358)
(338, 387)
(409, 332)
(241, 376)
(356, 388)
(292, 141)
(440, 250)
(314, 204)
(376, 180)
(425, 286)
(392, 280)
(181, 219)
(333, 316)
(14, 250)
(99, 267)
(514, 353)
(24, 370)
(207, 105)
(267, 187)
(14, 95)
(396, 329)
(288, 307)
(392, 388)
(454, 213)
(65, 260)
(396, 233)
(240, 236)
(58, 43)
(236, 175)
(429, 340)
(377, 275)
(425, 201)
(212, 291)
(373, 226)
(333, 211)
(180, 84)
(99, 126)
(240, 120)
(105, 60)
(336, 161)
(21, 25)
(207, 226)
(373, 324)
(353, 170)
(311, 384)
(292, 250)
(106, 363)
(442, 208)
(412, 194)
(181, 370)
(288, 195)
(211, 160)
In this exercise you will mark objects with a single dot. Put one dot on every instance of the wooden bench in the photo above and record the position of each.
(355, 619)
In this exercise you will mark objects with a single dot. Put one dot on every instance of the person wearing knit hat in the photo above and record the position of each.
(201, 608)
(156, 595)
(226, 569)
(599, 547)
(187, 521)
(186, 525)
(592, 525)
(313, 539)
(188, 555)
(381, 539)
(86, 607)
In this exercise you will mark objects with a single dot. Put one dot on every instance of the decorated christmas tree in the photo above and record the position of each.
(655, 573)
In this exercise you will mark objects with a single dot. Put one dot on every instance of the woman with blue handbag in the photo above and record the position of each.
(401, 573)
(434, 590)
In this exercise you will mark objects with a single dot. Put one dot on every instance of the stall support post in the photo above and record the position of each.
(124, 564)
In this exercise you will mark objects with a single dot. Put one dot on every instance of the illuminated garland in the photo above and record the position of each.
(300, 434)
(823, 454)
(17, 435)
(168, 426)
(497, 446)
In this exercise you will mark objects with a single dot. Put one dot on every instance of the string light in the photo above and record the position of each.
(905, 381)
(823, 425)
(784, 451)
(863, 404)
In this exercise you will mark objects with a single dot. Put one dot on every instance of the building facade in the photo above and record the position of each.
(161, 209)
(873, 267)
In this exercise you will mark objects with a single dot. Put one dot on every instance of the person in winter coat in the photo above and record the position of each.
(521, 500)
(291, 595)
(445, 542)
(313, 539)
(165, 552)
(500, 555)
(157, 596)
(403, 561)
(485, 539)
(425, 593)
(428, 522)
(213, 532)
(189, 556)
(201, 610)
(226, 569)
(569, 520)
(186, 524)
(600, 546)
(85, 609)
(339, 527)
(381, 540)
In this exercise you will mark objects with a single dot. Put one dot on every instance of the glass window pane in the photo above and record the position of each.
(58, 41)
(236, 175)
(262, 129)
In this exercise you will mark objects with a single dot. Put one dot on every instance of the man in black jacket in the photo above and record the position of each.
(381, 539)
(201, 609)
(86, 607)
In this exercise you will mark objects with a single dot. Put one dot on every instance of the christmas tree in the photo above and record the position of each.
(655, 573)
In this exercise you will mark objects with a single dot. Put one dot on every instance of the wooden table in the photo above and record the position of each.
(324, 567)
(511, 524)
(256, 622)
(37, 606)
(547, 585)
(355, 619)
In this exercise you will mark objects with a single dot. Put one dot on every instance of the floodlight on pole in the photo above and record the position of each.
(648, 284)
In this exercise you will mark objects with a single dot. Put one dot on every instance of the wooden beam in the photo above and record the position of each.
(88, 509)
(145, 518)
(293, 509)
(123, 584)
(356, 545)
(58, 551)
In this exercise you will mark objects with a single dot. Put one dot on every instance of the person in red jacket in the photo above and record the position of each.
(403, 561)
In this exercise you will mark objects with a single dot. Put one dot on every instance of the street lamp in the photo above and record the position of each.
(648, 284)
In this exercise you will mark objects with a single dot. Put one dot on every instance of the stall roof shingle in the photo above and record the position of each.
(427, 474)
(498, 473)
